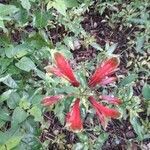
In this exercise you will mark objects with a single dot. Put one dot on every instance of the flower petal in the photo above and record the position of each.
(106, 68)
(65, 68)
(54, 70)
(107, 80)
(103, 112)
(111, 99)
(50, 100)
(73, 119)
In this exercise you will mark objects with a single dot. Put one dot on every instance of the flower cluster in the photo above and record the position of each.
(102, 76)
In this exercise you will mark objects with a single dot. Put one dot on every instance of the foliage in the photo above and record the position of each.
(31, 32)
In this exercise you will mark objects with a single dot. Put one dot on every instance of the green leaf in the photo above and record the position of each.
(36, 113)
(82, 79)
(8, 135)
(18, 51)
(19, 115)
(11, 143)
(146, 91)
(4, 114)
(24, 104)
(110, 48)
(60, 6)
(26, 4)
(2, 25)
(71, 3)
(5, 95)
(128, 80)
(96, 46)
(13, 100)
(101, 140)
(8, 81)
(6, 10)
(139, 43)
(40, 19)
(2, 123)
(137, 127)
(26, 64)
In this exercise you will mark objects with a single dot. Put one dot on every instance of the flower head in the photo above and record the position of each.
(104, 113)
(64, 67)
(50, 100)
(107, 68)
(73, 119)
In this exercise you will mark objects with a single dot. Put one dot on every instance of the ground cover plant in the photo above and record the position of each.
(74, 74)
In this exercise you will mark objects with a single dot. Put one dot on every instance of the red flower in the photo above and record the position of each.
(54, 70)
(111, 99)
(64, 67)
(73, 120)
(104, 113)
(107, 80)
(105, 69)
(50, 100)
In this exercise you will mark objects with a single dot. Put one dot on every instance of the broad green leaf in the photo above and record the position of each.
(4, 114)
(18, 51)
(9, 134)
(60, 6)
(65, 4)
(40, 19)
(5, 95)
(5, 64)
(22, 17)
(71, 3)
(36, 113)
(13, 100)
(13, 70)
(26, 64)
(8, 81)
(19, 115)
(7, 10)
(11, 143)
(26, 4)
(146, 91)
(128, 80)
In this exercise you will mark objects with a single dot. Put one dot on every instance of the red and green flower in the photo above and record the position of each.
(102, 76)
